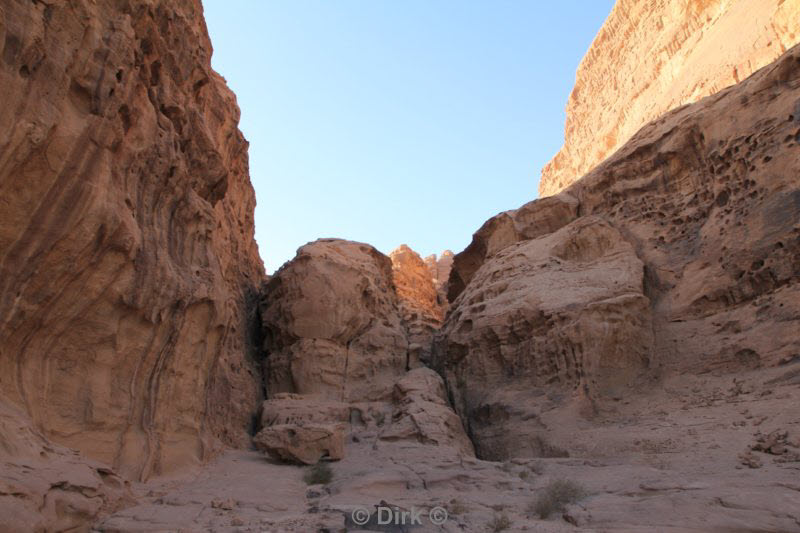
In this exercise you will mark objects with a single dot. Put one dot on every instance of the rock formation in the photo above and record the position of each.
(679, 255)
(421, 306)
(439, 268)
(128, 269)
(635, 333)
(46, 487)
(532, 220)
(332, 324)
(565, 309)
(422, 413)
(343, 324)
(650, 57)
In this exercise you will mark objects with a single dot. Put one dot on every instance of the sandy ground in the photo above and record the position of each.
(677, 458)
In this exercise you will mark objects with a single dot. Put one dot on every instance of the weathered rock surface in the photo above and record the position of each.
(46, 487)
(440, 268)
(680, 253)
(565, 309)
(663, 461)
(650, 57)
(332, 324)
(422, 413)
(302, 429)
(343, 324)
(305, 443)
(420, 305)
(287, 408)
(127, 259)
(532, 220)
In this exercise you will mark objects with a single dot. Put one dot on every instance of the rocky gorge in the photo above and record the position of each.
(633, 336)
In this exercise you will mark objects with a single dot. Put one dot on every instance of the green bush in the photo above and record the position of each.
(556, 495)
(319, 474)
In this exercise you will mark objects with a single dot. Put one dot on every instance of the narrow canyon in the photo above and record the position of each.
(620, 354)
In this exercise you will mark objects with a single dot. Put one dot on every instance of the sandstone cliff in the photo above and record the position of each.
(439, 268)
(679, 255)
(634, 334)
(419, 294)
(344, 326)
(128, 269)
(650, 57)
(332, 325)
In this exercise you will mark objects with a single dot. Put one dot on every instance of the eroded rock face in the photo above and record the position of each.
(305, 443)
(342, 325)
(564, 312)
(332, 324)
(422, 413)
(420, 305)
(681, 256)
(46, 487)
(532, 220)
(127, 260)
(302, 429)
(440, 268)
(651, 57)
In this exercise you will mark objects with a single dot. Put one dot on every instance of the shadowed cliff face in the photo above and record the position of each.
(127, 259)
(651, 57)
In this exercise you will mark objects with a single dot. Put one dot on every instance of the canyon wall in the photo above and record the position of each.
(128, 268)
(679, 255)
(344, 327)
(650, 57)
(418, 284)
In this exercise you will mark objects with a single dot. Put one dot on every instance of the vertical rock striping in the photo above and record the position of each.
(128, 269)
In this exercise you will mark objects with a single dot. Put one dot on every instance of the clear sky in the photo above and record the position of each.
(393, 122)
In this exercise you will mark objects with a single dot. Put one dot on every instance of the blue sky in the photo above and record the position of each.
(393, 122)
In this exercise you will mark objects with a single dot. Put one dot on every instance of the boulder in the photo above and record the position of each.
(332, 324)
(564, 313)
(308, 443)
(423, 414)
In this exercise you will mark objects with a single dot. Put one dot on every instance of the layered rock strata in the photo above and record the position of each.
(128, 269)
(650, 57)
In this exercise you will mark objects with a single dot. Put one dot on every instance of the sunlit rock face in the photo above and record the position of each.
(679, 255)
(650, 57)
(343, 329)
(439, 268)
(128, 269)
(421, 306)
(332, 324)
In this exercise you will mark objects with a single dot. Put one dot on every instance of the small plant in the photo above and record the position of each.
(547, 449)
(500, 522)
(537, 467)
(524, 474)
(456, 507)
(556, 495)
(319, 474)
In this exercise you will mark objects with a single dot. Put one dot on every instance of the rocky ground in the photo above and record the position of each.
(689, 456)
(622, 356)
